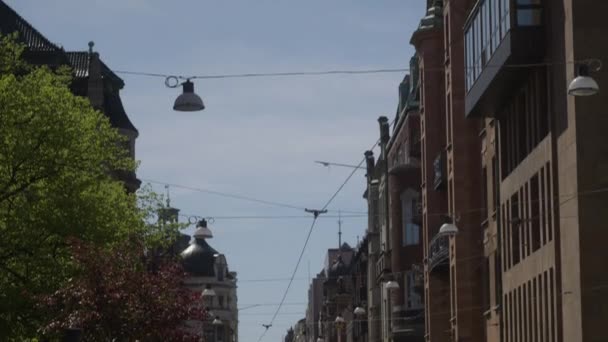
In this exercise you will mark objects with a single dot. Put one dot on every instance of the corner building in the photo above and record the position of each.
(543, 151)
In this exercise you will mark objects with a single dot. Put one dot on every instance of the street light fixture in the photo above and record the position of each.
(448, 229)
(339, 319)
(391, 285)
(188, 101)
(217, 321)
(583, 84)
(320, 339)
(202, 232)
(359, 311)
(208, 292)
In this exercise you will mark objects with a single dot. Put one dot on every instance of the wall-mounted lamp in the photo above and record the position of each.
(584, 84)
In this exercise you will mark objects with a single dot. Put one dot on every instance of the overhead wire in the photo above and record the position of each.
(282, 302)
(239, 197)
(329, 201)
(270, 217)
(568, 197)
(339, 72)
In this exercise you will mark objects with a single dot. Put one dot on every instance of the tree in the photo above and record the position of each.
(56, 154)
(115, 296)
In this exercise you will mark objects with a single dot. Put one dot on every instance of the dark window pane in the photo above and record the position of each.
(487, 28)
(528, 17)
(506, 18)
(528, 2)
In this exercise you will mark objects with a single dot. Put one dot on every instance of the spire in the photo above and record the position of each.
(168, 214)
(95, 82)
(168, 196)
(339, 229)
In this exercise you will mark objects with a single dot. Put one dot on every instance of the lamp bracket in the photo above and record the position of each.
(594, 64)
(195, 219)
(173, 80)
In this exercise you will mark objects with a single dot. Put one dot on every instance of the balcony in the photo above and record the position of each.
(408, 324)
(439, 254)
(499, 36)
(418, 270)
(382, 268)
(406, 158)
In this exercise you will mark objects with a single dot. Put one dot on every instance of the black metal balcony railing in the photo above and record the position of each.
(404, 159)
(418, 278)
(439, 254)
(408, 323)
(499, 34)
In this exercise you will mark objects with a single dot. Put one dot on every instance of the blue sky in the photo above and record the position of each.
(259, 136)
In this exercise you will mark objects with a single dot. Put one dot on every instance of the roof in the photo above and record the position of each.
(115, 111)
(47, 53)
(11, 22)
(198, 259)
(80, 61)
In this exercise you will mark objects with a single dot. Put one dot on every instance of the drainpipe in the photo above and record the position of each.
(384, 138)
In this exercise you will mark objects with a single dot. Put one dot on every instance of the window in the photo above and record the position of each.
(411, 231)
(477, 37)
(497, 279)
(220, 272)
(506, 18)
(495, 184)
(413, 299)
(496, 37)
(487, 27)
(515, 228)
(485, 274)
(529, 13)
(529, 17)
(221, 301)
(469, 55)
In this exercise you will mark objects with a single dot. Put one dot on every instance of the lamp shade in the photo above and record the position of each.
(208, 292)
(583, 84)
(188, 101)
(217, 321)
(359, 311)
(320, 339)
(339, 319)
(448, 229)
(391, 285)
(202, 232)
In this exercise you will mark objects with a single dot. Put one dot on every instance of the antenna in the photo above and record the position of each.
(168, 196)
(339, 229)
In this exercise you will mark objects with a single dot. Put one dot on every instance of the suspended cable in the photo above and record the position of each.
(224, 194)
(239, 197)
(331, 199)
(337, 72)
(270, 217)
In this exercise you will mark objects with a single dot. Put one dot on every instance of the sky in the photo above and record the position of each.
(258, 137)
